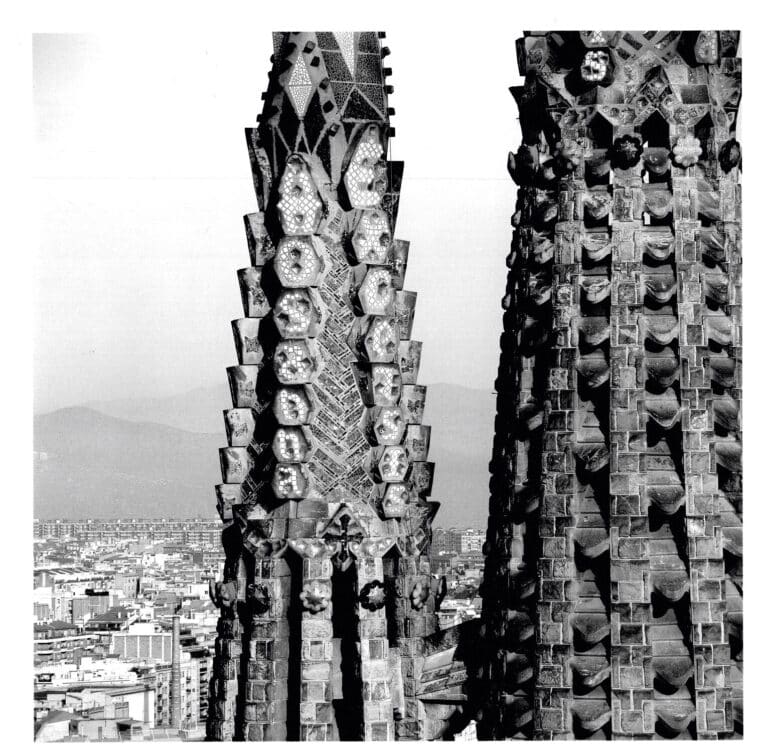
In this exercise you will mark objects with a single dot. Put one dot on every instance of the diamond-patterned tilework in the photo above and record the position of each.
(336, 66)
(341, 447)
(346, 40)
(277, 42)
(326, 40)
(314, 121)
(368, 69)
(367, 41)
(360, 109)
(375, 94)
(341, 91)
(300, 86)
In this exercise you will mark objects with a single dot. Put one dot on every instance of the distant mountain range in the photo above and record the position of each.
(158, 457)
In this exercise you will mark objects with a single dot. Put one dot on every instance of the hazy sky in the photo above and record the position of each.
(142, 178)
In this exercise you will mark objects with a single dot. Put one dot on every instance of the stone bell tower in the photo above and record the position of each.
(326, 595)
(612, 602)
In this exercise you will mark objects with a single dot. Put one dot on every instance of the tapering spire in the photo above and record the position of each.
(326, 595)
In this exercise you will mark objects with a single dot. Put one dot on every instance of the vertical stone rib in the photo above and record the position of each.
(378, 720)
(631, 653)
(510, 591)
(709, 282)
(556, 569)
(317, 651)
(266, 652)
(588, 298)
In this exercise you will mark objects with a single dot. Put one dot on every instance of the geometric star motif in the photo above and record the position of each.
(597, 38)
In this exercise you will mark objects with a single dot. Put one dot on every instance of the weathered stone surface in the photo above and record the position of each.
(623, 287)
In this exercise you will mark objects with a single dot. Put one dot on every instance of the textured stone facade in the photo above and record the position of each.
(613, 583)
(326, 596)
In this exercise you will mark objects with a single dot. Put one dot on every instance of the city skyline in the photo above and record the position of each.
(107, 595)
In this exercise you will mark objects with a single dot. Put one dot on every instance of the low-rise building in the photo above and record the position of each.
(61, 642)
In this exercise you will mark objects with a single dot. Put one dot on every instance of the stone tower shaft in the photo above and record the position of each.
(326, 594)
(613, 588)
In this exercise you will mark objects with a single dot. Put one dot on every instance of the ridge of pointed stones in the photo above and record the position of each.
(672, 585)
(591, 670)
(299, 206)
(660, 288)
(365, 179)
(592, 627)
(294, 405)
(290, 481)
(385, 425)
(726, 410)
(297, 313)
(518, 666)
(255, 303)
(591, 714)
(372, 237)
(592, 542)
(594, 330)
(387, 463)
(662, 370)
(675, 670)
(296, 362)
(658, 244)
(665, 410)
(593, 456)
(378, 338)
(297, 263)
(594, 369)
(676, 715)
(376, 293)
(394, 503)
(519, 626)
(668, 498)
(293, 444)
(596, 288)
(661, 329)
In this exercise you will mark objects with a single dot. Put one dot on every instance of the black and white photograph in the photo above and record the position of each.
(386, 384)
